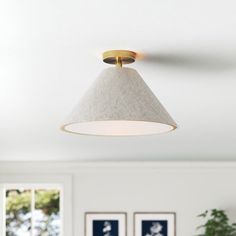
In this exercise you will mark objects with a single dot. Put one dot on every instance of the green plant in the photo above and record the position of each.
(217, 224)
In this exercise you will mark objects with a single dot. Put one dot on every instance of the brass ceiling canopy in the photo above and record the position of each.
(119, 57)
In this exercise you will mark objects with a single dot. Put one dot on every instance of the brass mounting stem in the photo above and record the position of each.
(118, 62)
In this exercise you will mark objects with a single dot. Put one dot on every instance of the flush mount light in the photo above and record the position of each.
(119, 103)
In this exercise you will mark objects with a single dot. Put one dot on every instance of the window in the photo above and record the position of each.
(32, 210)
(35, 205)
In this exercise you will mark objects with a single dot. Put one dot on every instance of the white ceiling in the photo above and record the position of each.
(50, 54)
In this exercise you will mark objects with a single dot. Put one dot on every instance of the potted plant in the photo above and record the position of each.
(217, 224)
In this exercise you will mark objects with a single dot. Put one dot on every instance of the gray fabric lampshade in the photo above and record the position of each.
(119, 103)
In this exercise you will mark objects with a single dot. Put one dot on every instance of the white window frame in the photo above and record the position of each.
(32, 181)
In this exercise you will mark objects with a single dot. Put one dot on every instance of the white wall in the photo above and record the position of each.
(185, 188)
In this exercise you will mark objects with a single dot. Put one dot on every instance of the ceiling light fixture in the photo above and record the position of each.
(119, 103)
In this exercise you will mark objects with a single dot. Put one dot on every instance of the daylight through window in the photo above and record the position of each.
(32, 212)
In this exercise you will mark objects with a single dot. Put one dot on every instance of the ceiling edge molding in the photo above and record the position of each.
(75, 167)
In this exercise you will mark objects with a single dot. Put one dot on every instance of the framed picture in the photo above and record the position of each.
(154, 224)
(105, 224)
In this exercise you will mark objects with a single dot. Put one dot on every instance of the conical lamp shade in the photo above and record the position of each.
(119, 103)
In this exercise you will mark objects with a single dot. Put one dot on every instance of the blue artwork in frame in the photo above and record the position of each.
(154, 228)
(154, 224)
(105, 224)
(105, 228)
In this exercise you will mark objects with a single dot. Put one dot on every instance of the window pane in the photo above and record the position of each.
(18, 212)
(47, 213)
